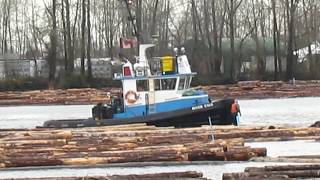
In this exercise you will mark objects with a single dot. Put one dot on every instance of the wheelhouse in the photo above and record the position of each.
(163, 87)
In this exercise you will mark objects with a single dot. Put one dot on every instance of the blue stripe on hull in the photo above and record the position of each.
(164, 107)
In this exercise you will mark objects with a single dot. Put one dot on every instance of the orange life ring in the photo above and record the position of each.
(131, 97)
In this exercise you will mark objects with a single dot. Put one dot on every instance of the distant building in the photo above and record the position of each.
(19, 67)
(247, 56)
(308, 61)
(251, 64)
(39, 67)
(12, 66)
(303, 53)
(101, 67)
(2, 70)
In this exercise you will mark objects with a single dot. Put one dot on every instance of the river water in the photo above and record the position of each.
(299, 112)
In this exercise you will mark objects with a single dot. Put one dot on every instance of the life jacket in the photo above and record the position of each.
(234, 108)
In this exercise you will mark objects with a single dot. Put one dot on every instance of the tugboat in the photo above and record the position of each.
(156, 92)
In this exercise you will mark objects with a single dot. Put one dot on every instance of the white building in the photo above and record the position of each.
(251, 64)
(12, 66)
(101, 67)
(2, 70)
(304, 52)
(41, 68)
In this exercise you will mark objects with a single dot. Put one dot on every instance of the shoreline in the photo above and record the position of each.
(245, 90)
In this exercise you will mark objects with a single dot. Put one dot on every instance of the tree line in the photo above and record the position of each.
(63, 30)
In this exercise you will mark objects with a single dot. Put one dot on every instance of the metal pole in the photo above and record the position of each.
(212, 130)
(132, 20)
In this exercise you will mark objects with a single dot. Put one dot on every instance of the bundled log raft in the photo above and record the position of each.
(118, 144)
(247, 89)
(277, 172)
(188, 175)
(265, 89)
(69, 96)
(137, 143)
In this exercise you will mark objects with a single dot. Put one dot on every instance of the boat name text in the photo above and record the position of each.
(202, 107)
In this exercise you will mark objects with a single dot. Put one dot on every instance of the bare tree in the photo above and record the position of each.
(291, 10)
(218, 29)
(89, 42)
(275, 37)
(233, 6)
(53, 44)
(69, 39)
(216, 46)
(309, 37)
(83, 40)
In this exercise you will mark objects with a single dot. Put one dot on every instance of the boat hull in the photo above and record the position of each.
(218, 111)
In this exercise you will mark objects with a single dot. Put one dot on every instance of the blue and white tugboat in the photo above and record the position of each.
(156, 92)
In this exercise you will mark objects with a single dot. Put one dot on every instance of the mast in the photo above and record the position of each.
(132, 19)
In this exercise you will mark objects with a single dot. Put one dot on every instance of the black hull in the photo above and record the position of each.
(219, 111)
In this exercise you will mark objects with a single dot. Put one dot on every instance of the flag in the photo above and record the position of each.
(127, 43)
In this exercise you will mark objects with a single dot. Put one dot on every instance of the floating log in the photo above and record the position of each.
(158, 133)
(283, 133)
(245, 154)
(287, 171)
(302, 157)
(284, 168)
(266, 174)
(187, 152)
(158, 176)
(247, 176)
(287, 160)
(29, 161)
(177, 175)
(120, 144)
(136, 143)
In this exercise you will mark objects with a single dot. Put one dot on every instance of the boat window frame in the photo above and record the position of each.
(146, 85)
(188, 82)
(184, 79)
(157, 88)
(173, 87)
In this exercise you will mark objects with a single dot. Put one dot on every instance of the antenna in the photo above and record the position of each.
(132, 18)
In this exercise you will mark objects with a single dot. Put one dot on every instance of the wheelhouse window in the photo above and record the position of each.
(168, 84)
(142, 85)
(182, 83)
(157, 85)
(188, 82)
